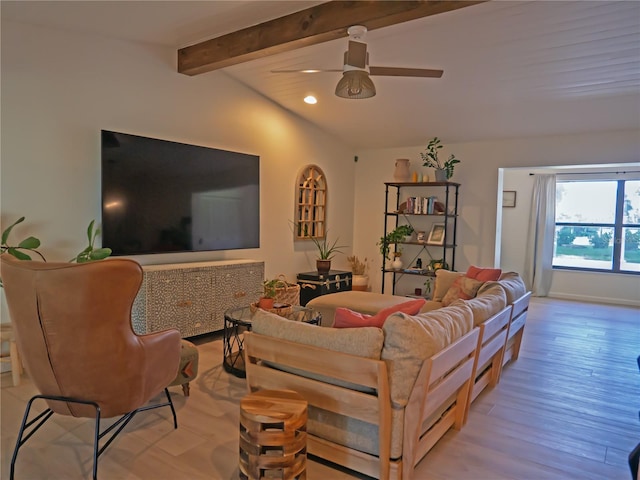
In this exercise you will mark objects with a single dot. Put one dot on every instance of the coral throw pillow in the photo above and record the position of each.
(346, 318)
(484, 274)
(464, 288)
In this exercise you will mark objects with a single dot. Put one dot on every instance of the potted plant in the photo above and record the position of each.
(30, 244)
(91, 253)
(360, 279)
(268, 294)
(394, 236)
(444, 169)
(326, 251)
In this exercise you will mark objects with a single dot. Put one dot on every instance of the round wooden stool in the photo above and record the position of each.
(273, 436)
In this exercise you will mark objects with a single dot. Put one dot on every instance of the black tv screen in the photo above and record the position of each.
(160, 196)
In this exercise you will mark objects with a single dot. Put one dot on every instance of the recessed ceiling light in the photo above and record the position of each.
(310, 99)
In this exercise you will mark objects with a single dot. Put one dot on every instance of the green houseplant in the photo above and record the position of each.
(326, 249)
(90, 253)
(29, 244)
(268, 293)
(394, 236)
(430, 159)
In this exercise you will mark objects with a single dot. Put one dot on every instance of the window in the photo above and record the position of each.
(598, 225)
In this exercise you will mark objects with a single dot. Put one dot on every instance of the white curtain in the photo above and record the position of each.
(539, 255)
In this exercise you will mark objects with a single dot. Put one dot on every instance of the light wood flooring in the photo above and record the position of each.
(566, 409)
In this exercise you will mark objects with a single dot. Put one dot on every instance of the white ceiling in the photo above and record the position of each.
(511, 68)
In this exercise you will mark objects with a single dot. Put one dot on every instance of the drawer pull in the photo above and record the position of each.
(186, 303)
(239, 294)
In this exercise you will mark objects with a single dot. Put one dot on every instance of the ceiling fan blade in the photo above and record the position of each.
(357, 54)
(307, 70)
(405, 72)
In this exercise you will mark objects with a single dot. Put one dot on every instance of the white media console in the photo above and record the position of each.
(193, 297)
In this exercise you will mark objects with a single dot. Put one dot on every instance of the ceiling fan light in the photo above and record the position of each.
(355, 84)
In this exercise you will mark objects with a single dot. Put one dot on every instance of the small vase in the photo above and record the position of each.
(401, 173)
(360, 282)
(323, 266)
(441, 175)
(397, 263)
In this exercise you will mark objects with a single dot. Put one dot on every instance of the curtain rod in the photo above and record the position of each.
(593, 173)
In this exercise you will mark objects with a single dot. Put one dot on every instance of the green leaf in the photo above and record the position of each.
(100, 253)
(29, 243)
(90, 231)
(18, 254)
(5, 234)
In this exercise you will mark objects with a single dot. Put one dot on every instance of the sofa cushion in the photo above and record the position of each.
(483, 274)
(512, 284)
(486, 305)
(444, 280)
(346, 318)
(462, 288)
(409, 340)
(430, 306)
(363, 342)
(358, 301)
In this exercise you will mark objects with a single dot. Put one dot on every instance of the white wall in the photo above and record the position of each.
(479, 179)
(60, 89)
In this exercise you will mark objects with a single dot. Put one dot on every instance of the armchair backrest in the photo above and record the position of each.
(72, 324)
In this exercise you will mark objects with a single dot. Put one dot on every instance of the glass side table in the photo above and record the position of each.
(238, 320)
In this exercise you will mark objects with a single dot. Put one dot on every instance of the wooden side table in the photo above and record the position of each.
(273, 435)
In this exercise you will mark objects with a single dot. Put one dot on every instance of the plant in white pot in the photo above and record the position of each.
(444, 168)
(359, 279)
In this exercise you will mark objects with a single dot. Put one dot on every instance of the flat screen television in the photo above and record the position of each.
(160, 196)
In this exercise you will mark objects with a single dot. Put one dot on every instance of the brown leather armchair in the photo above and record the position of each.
(72, 324)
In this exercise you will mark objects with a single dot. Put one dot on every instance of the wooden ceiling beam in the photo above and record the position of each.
(324, 22)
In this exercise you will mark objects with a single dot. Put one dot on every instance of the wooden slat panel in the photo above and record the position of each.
(342, 366)
(490, 349)
(448, 387)
(521, 304)
(320, 394)
(494, 324)
(442, 362)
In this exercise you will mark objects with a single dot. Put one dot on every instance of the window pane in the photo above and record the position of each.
(630, 249)
(632, 201)
(584, 247)
(586, 202)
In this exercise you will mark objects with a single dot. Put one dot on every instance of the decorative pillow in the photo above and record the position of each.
(463, 288)
(346, 318)
(484, 274)
(444, 280)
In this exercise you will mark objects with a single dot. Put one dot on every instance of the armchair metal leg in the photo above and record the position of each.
(40, 419)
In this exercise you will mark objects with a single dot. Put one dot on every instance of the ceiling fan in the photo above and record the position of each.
(355, 82)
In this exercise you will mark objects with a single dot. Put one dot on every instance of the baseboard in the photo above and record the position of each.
(592, 299)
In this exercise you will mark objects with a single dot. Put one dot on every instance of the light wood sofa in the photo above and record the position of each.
(381, 398)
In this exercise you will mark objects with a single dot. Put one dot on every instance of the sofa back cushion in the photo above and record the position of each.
(362, 342)
(443, 282)
(485, 305)
(410, 340)
(512, 283)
